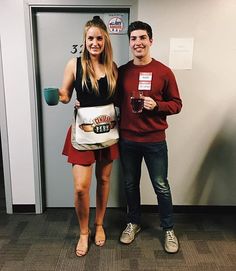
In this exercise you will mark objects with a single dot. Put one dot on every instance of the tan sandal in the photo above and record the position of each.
(82, 250)
(100, 236)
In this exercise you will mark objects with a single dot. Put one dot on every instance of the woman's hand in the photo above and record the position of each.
(77, 103)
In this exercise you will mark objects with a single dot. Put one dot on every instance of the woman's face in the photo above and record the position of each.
(95, 41)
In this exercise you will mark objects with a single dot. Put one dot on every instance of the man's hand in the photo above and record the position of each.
(149, 103)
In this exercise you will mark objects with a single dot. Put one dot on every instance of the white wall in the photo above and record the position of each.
(202, 145)
(202, 149)
(13, 44)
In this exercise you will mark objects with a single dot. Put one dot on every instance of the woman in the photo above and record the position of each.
(94, 78)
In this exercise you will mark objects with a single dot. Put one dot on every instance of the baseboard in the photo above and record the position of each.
(194, 209)
(23, 208)
(30, 208)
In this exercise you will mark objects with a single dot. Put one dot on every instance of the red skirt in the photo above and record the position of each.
(88, 157)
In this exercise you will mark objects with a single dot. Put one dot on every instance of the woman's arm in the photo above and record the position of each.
(66, 90)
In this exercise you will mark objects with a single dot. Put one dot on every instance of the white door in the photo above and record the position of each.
(59, 35)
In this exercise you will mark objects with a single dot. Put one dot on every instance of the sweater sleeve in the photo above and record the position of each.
(171, 102)
(118, 96)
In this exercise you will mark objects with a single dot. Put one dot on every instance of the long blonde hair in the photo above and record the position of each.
(106, 58)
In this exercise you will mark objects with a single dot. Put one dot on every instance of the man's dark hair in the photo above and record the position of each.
(138, 25)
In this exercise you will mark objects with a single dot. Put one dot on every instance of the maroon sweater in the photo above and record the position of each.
(148, 126)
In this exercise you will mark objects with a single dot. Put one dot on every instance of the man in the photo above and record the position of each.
(143, 134)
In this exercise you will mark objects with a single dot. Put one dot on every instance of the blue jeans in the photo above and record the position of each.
(156, 158)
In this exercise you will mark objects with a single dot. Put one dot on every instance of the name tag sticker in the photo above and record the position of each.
(144, 85)
(145, 76)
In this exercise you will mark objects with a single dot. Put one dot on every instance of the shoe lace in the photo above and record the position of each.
(129, 229)
(170, 236)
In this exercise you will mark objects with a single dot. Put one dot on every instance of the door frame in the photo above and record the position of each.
(4, 142)
(30, 7)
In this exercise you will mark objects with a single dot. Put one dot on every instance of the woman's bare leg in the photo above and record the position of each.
(82, 180)
(103, 173)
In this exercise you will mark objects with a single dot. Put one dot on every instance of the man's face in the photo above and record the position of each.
(140, 43)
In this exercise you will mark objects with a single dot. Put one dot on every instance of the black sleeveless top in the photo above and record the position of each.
(86, 96)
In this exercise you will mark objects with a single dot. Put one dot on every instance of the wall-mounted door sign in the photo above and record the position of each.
(117, 23)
